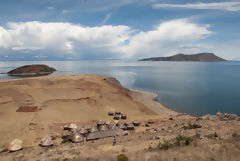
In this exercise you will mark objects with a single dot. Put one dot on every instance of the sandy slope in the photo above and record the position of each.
(64, 99)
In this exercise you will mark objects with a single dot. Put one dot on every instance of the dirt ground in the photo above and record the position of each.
(84, 99)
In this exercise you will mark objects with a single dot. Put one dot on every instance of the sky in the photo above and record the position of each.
(117, 29)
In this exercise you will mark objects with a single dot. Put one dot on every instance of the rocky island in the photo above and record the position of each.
(92, 117)
(201, 57)
(32, 70)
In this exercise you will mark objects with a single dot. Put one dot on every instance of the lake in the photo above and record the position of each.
(197, 88)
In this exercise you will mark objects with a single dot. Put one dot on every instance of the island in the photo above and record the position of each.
(32, 70)
(201, 57)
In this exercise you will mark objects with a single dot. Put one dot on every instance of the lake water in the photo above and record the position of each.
(191, 87)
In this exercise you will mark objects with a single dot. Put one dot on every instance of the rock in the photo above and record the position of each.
(66, 134)
(76, 138)
(136, 123)
(170, 118)
(93, 129)
(103, 128)
(46, 141)
(110, 113)
(15, 145)
(123, 116)
(116, 117)
(124, 133)
(100, 122)
(147, 129)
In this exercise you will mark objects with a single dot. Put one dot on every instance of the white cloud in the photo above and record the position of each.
(229, 6)
(165, 38)
(101, 41)
(65, 11)
(50, 8)
(107, 17)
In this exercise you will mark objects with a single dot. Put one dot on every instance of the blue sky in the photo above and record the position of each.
(123, 29)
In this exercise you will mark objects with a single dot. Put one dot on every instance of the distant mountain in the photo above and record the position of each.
(202, 57)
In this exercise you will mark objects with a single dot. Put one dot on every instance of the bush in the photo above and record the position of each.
(122, 157)
(181, 140)
(192, 126)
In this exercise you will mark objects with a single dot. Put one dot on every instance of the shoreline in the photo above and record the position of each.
(148, 99)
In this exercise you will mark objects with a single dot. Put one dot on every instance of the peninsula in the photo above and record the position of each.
(201, 57)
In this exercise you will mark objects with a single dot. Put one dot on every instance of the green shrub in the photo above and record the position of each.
(122, 157)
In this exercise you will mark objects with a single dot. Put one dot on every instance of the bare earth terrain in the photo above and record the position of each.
(31, 108)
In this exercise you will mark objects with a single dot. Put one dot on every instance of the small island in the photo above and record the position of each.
(32, 70)
(201, 57)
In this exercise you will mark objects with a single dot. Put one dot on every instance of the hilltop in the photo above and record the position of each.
(202, 57)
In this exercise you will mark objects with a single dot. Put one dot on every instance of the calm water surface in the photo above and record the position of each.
(192, 87)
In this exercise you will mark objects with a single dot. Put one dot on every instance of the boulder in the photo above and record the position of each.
(46, 141)
(77, 138)
(15, 145)
(103, 128)
(93, 129)
(136, 123)
(123, 116)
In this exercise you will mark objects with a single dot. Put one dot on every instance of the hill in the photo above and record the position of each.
(202, 57)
